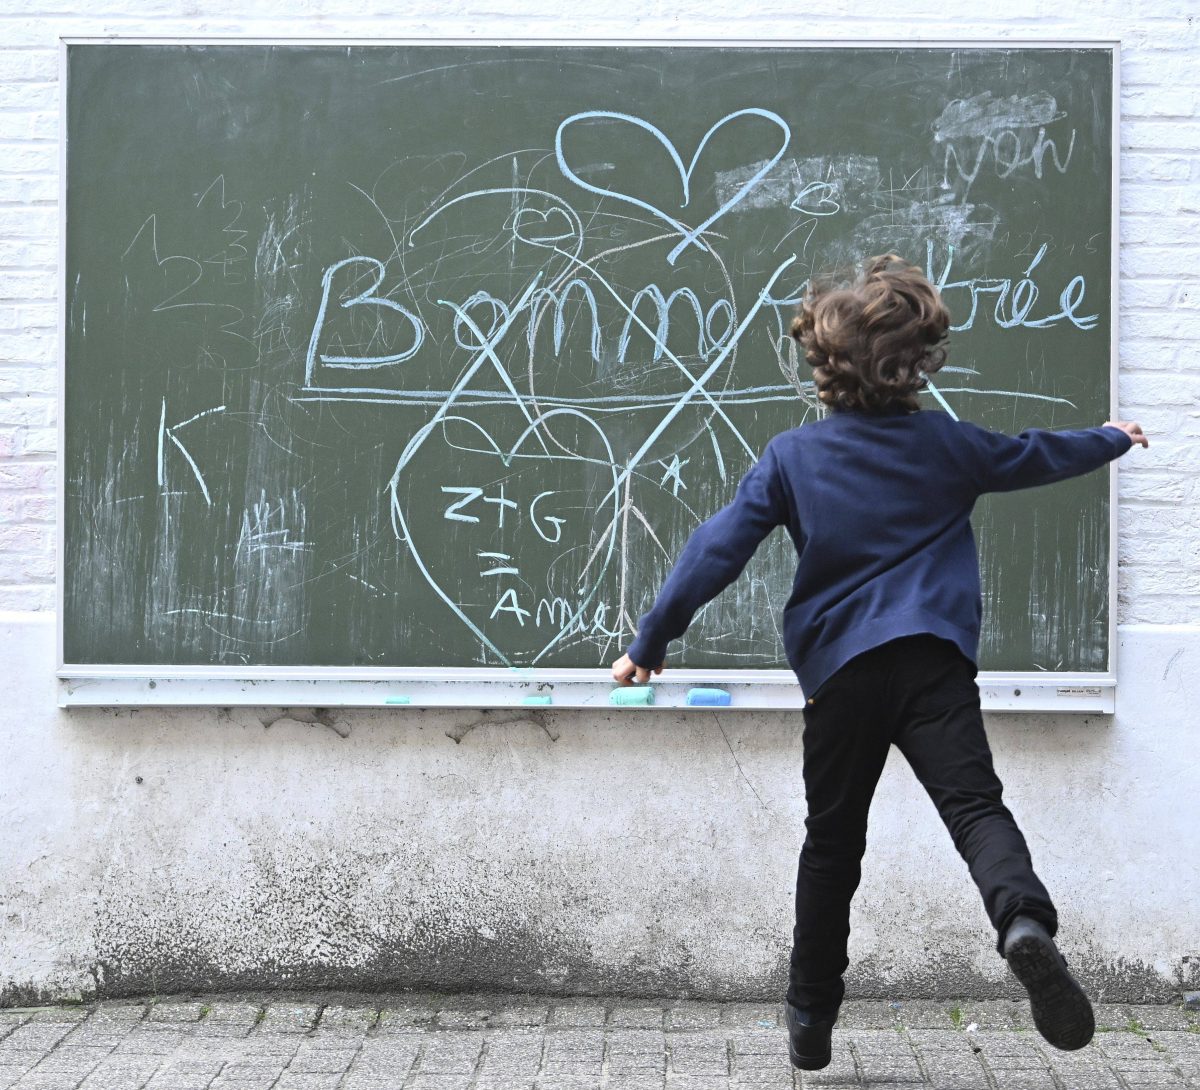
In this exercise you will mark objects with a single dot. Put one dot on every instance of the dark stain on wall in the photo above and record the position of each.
(546, 960)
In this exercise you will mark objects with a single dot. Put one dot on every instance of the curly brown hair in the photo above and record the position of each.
(871, 342)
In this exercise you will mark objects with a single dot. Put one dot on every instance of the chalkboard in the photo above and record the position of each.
(432, 355)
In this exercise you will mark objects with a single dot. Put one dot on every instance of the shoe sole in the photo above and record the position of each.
(1062, 1013)
(809, 1063)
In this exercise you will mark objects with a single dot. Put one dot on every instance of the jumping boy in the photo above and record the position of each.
(882, 625)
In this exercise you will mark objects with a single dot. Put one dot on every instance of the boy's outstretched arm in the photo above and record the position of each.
(713, 558)
(1003, 463)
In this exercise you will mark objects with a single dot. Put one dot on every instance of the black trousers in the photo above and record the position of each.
(918, 692)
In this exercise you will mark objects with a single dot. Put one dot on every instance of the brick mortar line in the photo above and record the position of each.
(988, 1074)
(1174, 1066)
(916, 1054)
(414, 1065)
(605, 1049)
(859, 1071)
(146, 1081)
(275, 1081)
(354, 1059)
(477, 1070)
(16, 1026)
(286, 1062)
(362, 1041)
(1049, 1062)
(1115, 1074)
(75, 1029)
(669, 1053)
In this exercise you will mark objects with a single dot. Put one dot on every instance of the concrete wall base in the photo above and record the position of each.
(154, 851)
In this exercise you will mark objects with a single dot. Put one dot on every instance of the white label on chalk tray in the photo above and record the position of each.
(1079, 690)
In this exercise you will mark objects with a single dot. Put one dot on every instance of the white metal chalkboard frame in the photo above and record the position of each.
(398, 688)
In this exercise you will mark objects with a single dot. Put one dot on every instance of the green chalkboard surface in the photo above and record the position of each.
(433, 355)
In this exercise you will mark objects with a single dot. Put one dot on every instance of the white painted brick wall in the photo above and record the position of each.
(1160, 217)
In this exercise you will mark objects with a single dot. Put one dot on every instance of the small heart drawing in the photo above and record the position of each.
(517, 537)
(690, 234)
(824, 192)
(532, 225)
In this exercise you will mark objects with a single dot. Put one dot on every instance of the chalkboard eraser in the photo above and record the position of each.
(397, 700)
(532, 701)
(632, 695)
(708, 698)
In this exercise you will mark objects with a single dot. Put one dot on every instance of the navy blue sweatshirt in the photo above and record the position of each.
(878, 507)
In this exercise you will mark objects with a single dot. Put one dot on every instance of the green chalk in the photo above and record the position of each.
(397, 700)
(530, 700)
(632, 694)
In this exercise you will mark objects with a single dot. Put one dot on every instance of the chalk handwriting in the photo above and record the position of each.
(602, 360)
(1013, 303)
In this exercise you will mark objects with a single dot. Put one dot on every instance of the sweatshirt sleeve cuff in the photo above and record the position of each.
(647, 653)
(1120, 439)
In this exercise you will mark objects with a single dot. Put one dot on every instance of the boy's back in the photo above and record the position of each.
(878, 506)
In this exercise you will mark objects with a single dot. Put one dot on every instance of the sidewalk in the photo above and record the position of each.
(424, 1041)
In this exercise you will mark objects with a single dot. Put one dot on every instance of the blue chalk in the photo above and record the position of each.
(631, 696)
(708, 698)
(531, 700)
(397, 700)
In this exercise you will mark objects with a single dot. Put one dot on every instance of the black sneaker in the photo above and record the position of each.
(1061, 1012)
(809, 1039)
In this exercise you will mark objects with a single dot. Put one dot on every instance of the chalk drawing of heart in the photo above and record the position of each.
(690, 234)
(474, 553)
(535, 227)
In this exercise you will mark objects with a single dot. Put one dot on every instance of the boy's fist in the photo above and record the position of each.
(1130, 428)
(626, 672)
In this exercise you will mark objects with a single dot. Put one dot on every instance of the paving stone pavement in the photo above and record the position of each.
(429, 1041)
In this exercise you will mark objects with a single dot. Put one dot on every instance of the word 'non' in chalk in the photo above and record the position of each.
(708, 698)
(632, 695)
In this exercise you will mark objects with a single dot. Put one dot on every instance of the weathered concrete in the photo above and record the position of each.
(426, 1041)
(624, 854)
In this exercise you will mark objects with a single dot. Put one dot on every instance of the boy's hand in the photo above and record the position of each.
(626, 672)
(1130, 428)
